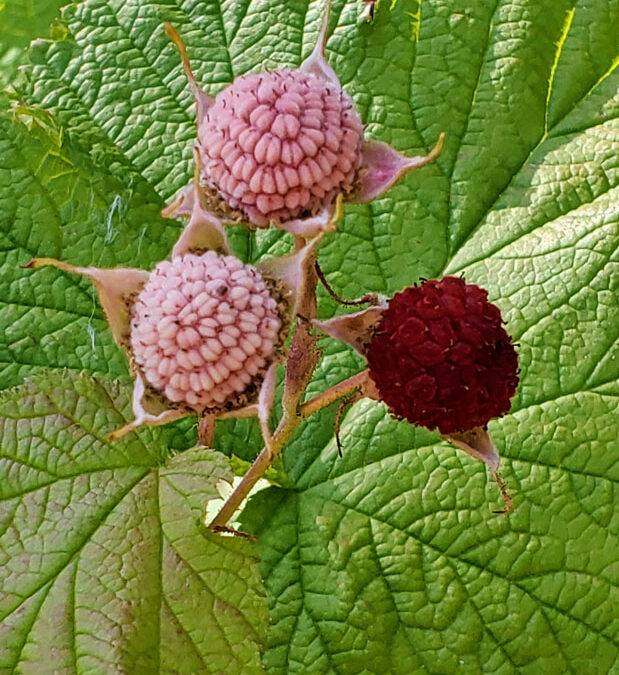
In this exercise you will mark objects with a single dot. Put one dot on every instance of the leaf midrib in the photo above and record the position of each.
(540, 142)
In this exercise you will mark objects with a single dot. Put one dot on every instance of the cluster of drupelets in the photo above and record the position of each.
(204, 332)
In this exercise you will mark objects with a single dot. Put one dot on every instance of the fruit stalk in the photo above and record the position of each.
(282, 435)
(300, 366)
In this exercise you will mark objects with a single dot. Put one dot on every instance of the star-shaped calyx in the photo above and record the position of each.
(203, 331)
(439, 357)
(279, 147)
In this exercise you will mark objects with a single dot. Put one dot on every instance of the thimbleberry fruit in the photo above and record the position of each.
(204, 332)
(204, 328)
(440, 357)
(278, 145)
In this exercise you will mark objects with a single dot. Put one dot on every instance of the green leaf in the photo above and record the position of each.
(106, 565)
(57, 201)
(391, 560)
(388, 560)
(20, 22)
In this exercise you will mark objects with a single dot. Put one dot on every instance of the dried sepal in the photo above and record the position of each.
(148, 409)
(354, 329)
(293, 270)
(203, 100)
(204, 231)
(477, 443)
(369, 11)
(383, 166)
(182, 204)
(311, 225)
(116, 289)
(316, 63)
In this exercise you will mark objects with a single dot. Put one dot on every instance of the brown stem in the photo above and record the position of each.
(206, 430)
(282, 434)
(364, 299)
(509, 504)
(333, 394)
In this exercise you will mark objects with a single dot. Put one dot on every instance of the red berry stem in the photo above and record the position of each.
(344, 388)
(368, 298)
(206, 429)
(283, 433)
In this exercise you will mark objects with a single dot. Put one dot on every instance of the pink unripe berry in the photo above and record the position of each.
(279, 145)
(204, 328)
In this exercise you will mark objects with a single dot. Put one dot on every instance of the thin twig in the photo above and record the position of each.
(509, 504)
(338, 418)
(284, 431)
(282, 434)
(332, 394)
(206, 430)
(371, 298)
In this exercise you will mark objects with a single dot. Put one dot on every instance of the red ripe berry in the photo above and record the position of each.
(440, 357)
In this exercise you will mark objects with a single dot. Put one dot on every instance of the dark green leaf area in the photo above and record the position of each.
(390, 559)
(21, 22)
(56, 201)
